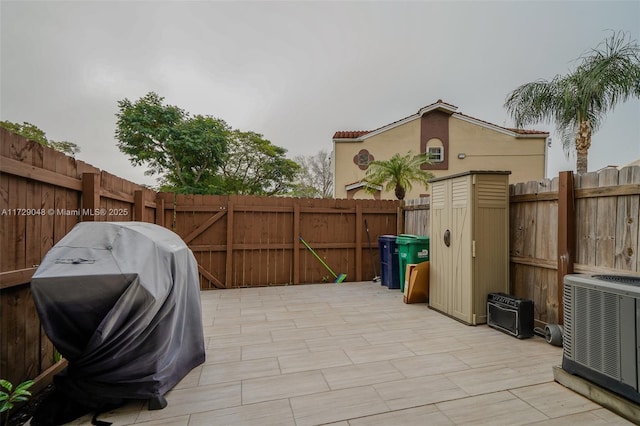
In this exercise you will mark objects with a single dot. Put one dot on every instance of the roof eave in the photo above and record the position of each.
(499, 129)
(389, 127)
(361, 184)
(440, 106)
(530, 135)
(340, 140)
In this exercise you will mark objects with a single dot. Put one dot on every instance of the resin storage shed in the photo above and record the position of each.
(469, 243)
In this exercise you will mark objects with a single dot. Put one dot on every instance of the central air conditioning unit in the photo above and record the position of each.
(601, 337)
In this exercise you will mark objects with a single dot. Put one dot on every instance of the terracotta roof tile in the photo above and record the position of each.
(349, 134)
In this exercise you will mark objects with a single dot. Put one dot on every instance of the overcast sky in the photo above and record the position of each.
(296, 71)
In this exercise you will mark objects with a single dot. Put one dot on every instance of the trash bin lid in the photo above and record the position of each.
(405, 238)
(387, 237)
(412, 239)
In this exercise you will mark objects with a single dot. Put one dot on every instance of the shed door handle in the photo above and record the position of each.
(447, 238)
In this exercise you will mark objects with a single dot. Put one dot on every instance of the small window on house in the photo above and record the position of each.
(362, 159)
(435, 154)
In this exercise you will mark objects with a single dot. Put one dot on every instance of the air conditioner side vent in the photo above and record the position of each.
(567, 335)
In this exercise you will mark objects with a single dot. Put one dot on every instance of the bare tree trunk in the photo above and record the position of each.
(400, 192)
(583, 143)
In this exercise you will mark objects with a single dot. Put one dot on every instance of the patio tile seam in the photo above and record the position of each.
(532, 406)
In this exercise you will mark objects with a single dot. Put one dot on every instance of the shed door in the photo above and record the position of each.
(439, 259)
(461, 230)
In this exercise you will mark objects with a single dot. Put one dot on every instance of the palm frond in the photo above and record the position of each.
(606, 75)
(402, 170)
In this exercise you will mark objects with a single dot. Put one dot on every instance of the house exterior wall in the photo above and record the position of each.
(488, 149)
(382, 146)
(485, 148)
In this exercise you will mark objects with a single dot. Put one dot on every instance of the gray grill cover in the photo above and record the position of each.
(121, 302)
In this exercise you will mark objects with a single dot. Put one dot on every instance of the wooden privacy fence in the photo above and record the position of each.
(238, 241)
(416, 216)
(242, 241)
(572, 224)
(43, 194)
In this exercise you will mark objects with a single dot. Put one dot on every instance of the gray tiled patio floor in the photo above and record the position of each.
(355, 354)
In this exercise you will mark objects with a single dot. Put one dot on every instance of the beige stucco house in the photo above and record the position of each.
(456, 142)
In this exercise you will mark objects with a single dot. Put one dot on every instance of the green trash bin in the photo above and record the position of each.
(411, 249)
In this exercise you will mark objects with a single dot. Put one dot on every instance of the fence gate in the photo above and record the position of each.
(245, 241)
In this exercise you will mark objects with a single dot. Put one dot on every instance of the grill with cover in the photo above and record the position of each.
(121, 302)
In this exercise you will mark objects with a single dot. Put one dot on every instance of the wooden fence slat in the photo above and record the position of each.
(138, 205)
(358, 257)
(296, 242)
(605, 220)
(587, 211)
(230, 236)
(90, 196)
(627, 231)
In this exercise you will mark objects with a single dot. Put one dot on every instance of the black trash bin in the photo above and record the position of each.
(389, 261)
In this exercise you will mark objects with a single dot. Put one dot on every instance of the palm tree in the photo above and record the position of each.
(399, 172)
(579, 101)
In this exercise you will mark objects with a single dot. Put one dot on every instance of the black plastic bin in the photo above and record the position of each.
(389, 261)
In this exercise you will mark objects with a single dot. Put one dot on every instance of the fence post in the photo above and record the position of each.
(400, 218)
(229, 260)
(138, 205)
(296, 241)
(90, 196)
(159, 210)
(566, 234)
(358, 253)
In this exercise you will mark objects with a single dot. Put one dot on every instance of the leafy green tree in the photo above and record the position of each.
(398, 173)
(579, 101)
(185, 151)
(32, 132)
(252, 165)
(315, 177)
